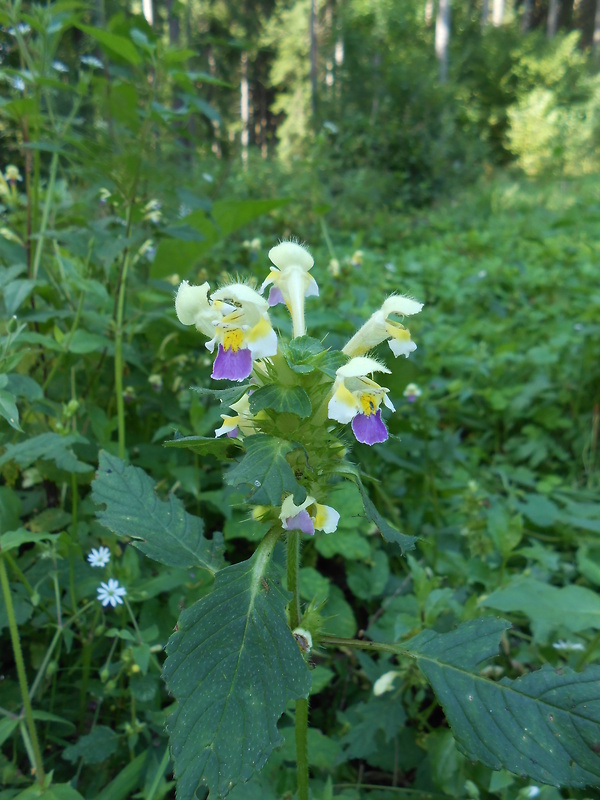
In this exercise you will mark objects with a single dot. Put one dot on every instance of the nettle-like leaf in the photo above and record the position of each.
(47, 447)
(232, 665)
(290, 399)
(389, 533)
(161, 529)
(545, 725)
(222, 447)
(266, 469)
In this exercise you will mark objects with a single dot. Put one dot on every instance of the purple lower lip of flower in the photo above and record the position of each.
(301, 522)
(232, 365)
(232, 433)
(369, 429)
(275, 296)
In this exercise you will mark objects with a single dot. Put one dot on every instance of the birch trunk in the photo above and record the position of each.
(313, 55)
(497, 13)
(244, 108)
(596, 40)
(485, 13)
(442, 37)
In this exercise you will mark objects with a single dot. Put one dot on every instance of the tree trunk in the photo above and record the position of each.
(596, 40)
(244, 108)
(527, 16)
(429, 9)
(485, 13)
(148, 11)
(442, 37)
(552, 21)
(497, 13)
(313, 55)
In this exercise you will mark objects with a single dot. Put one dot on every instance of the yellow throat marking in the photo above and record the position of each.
(232, 340)
(369, 403)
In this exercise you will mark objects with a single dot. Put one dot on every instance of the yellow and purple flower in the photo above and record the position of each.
(236, 320)
(357, 399)
(241, 423)
(379, 328)
(308, 516)
(291, 281)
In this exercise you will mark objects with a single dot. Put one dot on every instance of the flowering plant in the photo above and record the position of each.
(292, 412)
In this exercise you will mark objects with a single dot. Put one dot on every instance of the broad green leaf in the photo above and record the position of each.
(14, 539)
(323, 751)
(85, 342)
(389, 533)
(545, 724)
(365, 720)
(8, 726)
(56, 791)
(302, 353)
(116, 45)
(161, 529)
(291, 399)
(16, 293)
(225, 396)
(549, 608)
(265, 468)
(94, 747)
(232, 665)
(223, 447)
(47, 447)
(227, 216)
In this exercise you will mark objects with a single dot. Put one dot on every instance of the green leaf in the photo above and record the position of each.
(162, 530)
(85, 342)
(232, 665)
(365, 720)
(265, 468)
(544, 724)
(130, 777)
(14, 539)
(223, 447)
(302, 353)
(291, 399)
(549, 608)
(226, 396)
(116, 45)
(93, 748)
(389, 533)
(227, 216)
(9, 410)
(47, 447)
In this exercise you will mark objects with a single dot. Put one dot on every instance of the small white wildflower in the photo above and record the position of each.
(99, 557)
(92, 61)
(568, 646)
(111, 593)
(59, 66)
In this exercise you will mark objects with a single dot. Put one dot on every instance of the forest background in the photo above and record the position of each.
(449, 151)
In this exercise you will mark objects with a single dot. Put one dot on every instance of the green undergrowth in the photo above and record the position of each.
(493, 468)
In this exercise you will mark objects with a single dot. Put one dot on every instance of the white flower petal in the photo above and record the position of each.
(402, 348)
(289, 254)
(326, 518)
(360, 367)
(343, 406)
(191, 301)
(387, 402)
(399, 304)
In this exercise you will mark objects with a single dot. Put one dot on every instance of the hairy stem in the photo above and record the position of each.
(40, 775)
(295, 612)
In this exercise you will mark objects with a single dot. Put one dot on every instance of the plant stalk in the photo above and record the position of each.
(40, 775)
(295, 614)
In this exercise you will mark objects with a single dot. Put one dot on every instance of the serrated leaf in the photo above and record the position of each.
(162, 529)
(389, 533)
(232, 665)
(290, 399)
(47, 447)
(223, 447)
(265, 468)
(545, 724)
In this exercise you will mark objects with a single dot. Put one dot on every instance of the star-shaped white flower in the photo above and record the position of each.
(99, 557)
(111, 593)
